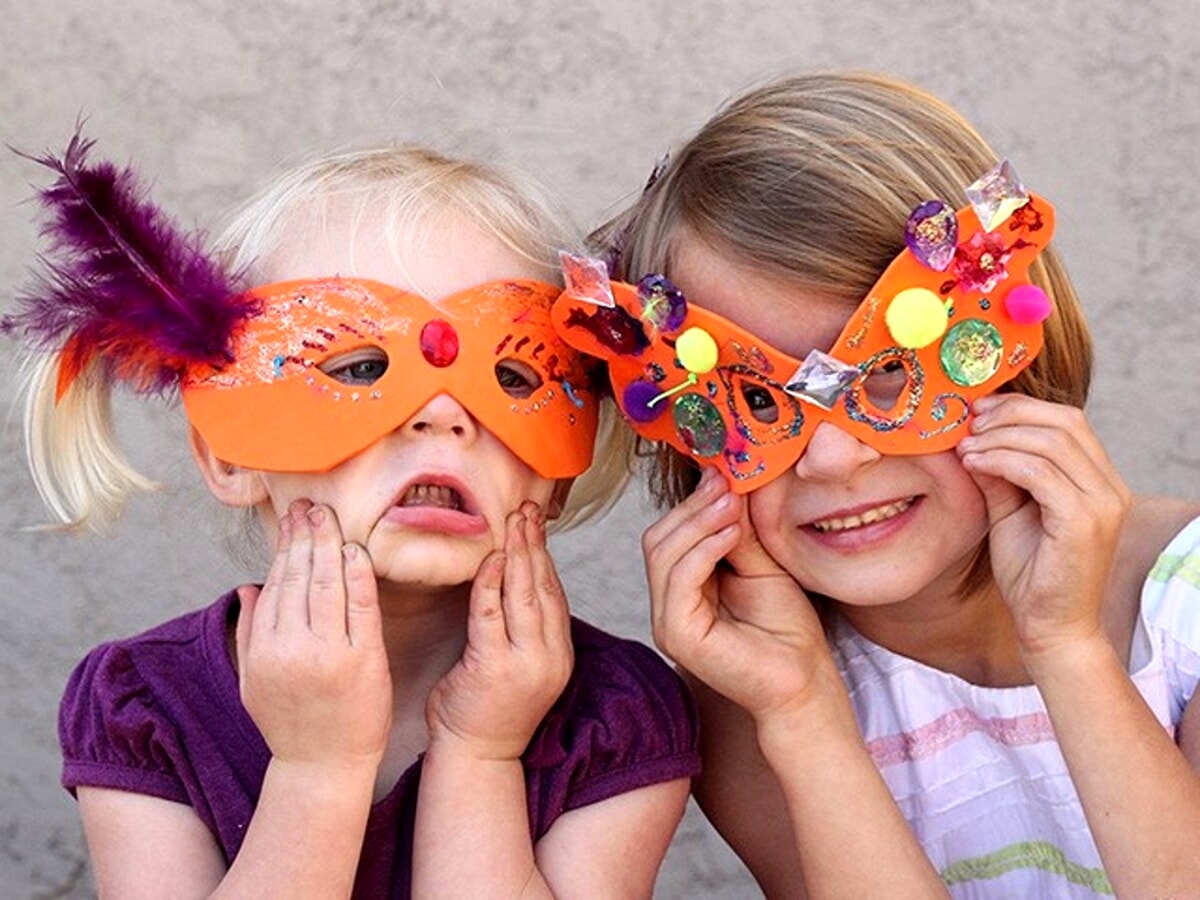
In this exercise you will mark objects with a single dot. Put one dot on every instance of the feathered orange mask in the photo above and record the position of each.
(122, 288)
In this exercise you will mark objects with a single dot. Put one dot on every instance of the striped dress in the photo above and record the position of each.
(976, 770)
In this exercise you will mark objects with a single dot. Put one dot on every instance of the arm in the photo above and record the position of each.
(782, 746)
(613, 848)
(472, 834)
(314, 678)
(1057, 507)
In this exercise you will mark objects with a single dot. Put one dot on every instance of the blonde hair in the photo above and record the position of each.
(810, 179)
(74, 457)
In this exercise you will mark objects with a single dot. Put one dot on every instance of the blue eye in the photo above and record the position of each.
(365, 365)
(517, 379)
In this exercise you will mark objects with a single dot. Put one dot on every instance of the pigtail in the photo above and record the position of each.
(76, 464)
(121, 295)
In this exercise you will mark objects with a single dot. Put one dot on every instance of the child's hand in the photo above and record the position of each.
(1056, 505)
(518, 655)
(724, 609)
(311, 659)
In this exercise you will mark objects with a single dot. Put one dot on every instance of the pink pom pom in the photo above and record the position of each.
(1027, 304)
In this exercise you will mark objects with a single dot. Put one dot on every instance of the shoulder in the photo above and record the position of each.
(125, 707)
(604, 660)
(1152, 524)
(625, 720)
(162, 653)
(1171, 594)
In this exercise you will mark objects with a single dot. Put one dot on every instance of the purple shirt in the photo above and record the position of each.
(160, 714)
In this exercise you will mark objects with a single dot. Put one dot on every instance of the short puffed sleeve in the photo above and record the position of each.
(113, 731)
(1166, 654)
(625, 721)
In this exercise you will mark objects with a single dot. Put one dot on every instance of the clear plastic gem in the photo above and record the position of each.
(997, 195)
(821, 379)
(586, 279)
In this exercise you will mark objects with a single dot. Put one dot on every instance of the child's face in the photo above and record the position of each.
(429, 499)
(846, 521)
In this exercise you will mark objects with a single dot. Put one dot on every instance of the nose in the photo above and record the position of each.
(442, 415)
(833, 454)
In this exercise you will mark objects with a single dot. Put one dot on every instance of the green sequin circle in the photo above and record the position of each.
(971, 352)
(700, 425)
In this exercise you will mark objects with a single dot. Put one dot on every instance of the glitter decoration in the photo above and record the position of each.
(972, 352)
(1027, 304)
(914, 391)
(938, 414)
(855, 340)
(931, 233)
(916, 318)
(586, 279)
(663, 305)
(821, 379)
(700, 425)
(979, 264)
(439, 343)
(997, 195)
(639, 401)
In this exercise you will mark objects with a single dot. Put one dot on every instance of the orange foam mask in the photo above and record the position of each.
(274, 409)
(922, 345)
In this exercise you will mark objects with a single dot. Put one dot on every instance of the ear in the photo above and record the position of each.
(558, 499)
(232, 485)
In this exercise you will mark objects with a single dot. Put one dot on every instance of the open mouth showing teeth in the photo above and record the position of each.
(437, 495)
(879, 514)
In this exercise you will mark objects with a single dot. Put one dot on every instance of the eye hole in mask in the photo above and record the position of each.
(886, 384)
(363, 365)
(517, 379)
(760, 403)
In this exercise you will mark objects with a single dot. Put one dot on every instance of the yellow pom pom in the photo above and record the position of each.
(697, 350)
(916, 318)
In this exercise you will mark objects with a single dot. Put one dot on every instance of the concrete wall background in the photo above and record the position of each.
(1096, 101)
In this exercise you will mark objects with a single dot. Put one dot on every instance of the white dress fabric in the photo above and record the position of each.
(977, 771)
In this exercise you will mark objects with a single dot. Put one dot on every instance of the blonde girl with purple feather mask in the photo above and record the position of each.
(404, 707)
(969, 671)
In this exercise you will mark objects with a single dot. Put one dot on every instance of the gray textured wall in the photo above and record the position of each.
(1096, 101)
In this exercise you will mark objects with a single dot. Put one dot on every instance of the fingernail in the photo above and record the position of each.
(316, 515)
(350, 551)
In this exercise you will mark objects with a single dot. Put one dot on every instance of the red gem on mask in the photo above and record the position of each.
(439, 343)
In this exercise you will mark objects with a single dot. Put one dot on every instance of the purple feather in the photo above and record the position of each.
(121, 281)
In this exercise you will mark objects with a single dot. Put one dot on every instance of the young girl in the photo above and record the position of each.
(404, 706)
(923, 649)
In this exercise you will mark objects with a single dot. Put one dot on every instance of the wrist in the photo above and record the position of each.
(819, 718)
(447, 744)
(1068, 655)
(324, 783)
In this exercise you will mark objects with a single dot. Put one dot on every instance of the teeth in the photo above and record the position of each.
(879, 514)
(432, 495)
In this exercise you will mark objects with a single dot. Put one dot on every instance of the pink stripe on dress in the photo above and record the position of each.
(954, 726)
